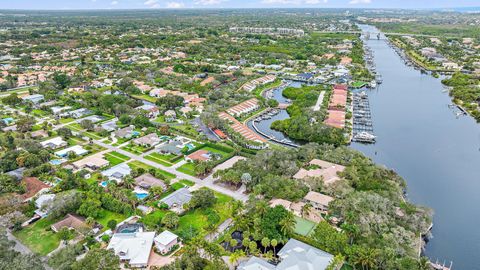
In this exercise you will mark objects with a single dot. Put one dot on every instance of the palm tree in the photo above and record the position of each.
(306, 209)
(265, 244)
(287, 224)
(128, 182)
(274, 244)
(233, 243)
(235, 256)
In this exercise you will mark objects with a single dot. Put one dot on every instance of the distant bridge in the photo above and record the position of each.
(375, 33)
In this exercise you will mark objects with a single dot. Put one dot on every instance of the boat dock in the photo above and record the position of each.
(362, 119)
(272, 138)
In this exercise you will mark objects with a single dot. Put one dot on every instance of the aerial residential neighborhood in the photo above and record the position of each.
(253, 136)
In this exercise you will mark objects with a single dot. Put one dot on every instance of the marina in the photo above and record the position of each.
(362, 119)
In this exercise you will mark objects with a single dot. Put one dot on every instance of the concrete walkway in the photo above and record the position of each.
(318, 105)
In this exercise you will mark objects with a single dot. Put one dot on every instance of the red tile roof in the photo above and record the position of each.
(32, 186)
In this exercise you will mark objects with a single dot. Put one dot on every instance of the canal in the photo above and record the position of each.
(438, 154)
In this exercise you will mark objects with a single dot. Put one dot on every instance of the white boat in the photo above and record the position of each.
(364, 137)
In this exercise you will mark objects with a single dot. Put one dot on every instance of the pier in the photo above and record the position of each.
(272, 138)
(362, 119)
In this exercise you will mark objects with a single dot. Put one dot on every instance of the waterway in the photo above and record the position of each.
(438, 154)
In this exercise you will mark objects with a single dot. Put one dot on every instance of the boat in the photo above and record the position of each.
(373, 84)
(364, 137)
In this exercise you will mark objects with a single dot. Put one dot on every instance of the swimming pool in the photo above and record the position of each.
(190, 146)
(104, 183)
(141, 196)
(56, 161)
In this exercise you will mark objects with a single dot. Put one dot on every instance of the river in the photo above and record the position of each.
(437, 153)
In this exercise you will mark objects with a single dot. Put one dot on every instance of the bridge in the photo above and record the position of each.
(283, 106)
(375, 33)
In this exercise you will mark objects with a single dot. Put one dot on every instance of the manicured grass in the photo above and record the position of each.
(138, 164)
(213, 150)
(164, 159)
(121, 141)
(113, 160)
(39, 237)
(145, 97)
(187, 182)
(159, 161)
(154, 218)
(135, 149)
(304, 227)
(178, 185)
(187, 168)
(75, 141)
(66, 120)
(109, 215)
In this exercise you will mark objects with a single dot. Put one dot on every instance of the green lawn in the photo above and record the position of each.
(135, 149)
(187, 168)
(109, 215)
(121, 141)
(138, 164)
(66, 120)
(163, 159)
(115, 158)
(216, 151)
(145, 97)
(39, 237)
(304, 227)
(187, 182)
(154, 218)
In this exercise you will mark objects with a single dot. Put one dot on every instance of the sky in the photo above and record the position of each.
(178, 4)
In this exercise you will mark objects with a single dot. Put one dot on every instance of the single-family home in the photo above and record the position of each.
(177, 199)
(124, 133)
(319, 201)
(170, 116)
(93, 162)
(35, 98)
(133, 248)
(118, 172)
(151, 111)
(325, 170)
(39, 134)
(42, 202)
(165, 241)
(294, 255)
(199, 155)
(173, 147)
(54, 143)
(71, 221)
(33, 186)
(76, 149)
(147, 181)
(149, 140)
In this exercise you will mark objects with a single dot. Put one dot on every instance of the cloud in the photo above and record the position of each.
(356, 2)
(208, 2)
(294, 2)
(113, 3)
(152, 3)
(175, 5)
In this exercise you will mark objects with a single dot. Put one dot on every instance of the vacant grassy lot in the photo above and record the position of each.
(108, 215)
(115, 158)
(135, 149)
(138, 164)
(187, 168)
(39, 237)
(163, 159)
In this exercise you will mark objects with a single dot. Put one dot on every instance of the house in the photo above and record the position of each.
(109, 126)
(93, 162)
(151, 111)
(173, 147)
(186, 110)
(199, 155)
(17, 173)
(71, 221)
(42, 202)
(325, 170)
(170, 116)
(33, 186)
(244, 107)
(165, 241)
(35, 99)
(450, 65)
(177, 199)
(54, 143)
(39, 134)
(149, 140)
(319, 201)
(134, 248)
(76, 149)
(79, 113)
(124, 133)
(147, 181)
(294, 255)
(118, 172)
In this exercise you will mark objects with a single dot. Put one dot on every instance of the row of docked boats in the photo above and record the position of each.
(268, 114)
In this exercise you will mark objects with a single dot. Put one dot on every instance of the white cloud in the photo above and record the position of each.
(175, 5)
(293, 2)
(152, 3)
(208, 2)
(356, 2)
(113, 3)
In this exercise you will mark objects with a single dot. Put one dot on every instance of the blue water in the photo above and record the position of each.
(141, 196)
(56, 161)
(104, 183)
(190, 146)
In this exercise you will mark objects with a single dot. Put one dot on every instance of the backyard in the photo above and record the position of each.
(138, 164)
(304, 227)
(115, 158)
(39, 237)
(164, 159)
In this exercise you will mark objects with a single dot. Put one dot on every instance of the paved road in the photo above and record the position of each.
(208, 182)
(18, 245)
(318, 105)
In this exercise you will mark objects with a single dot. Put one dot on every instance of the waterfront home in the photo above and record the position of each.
(78, 150)
(177, 199)
(133, 248)
(322, 169)
(244, 107)
(319, 201)
(147, 181)
(149, 140)
(165, 241)
(241, 128)
(54, 143)
(294, 255)
(117, 173)
(33, 187)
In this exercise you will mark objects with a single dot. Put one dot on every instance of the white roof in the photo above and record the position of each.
(165, 238)
(121, 168)
(42, 199)
(77, 149)
(134, 247)
(56, 141)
